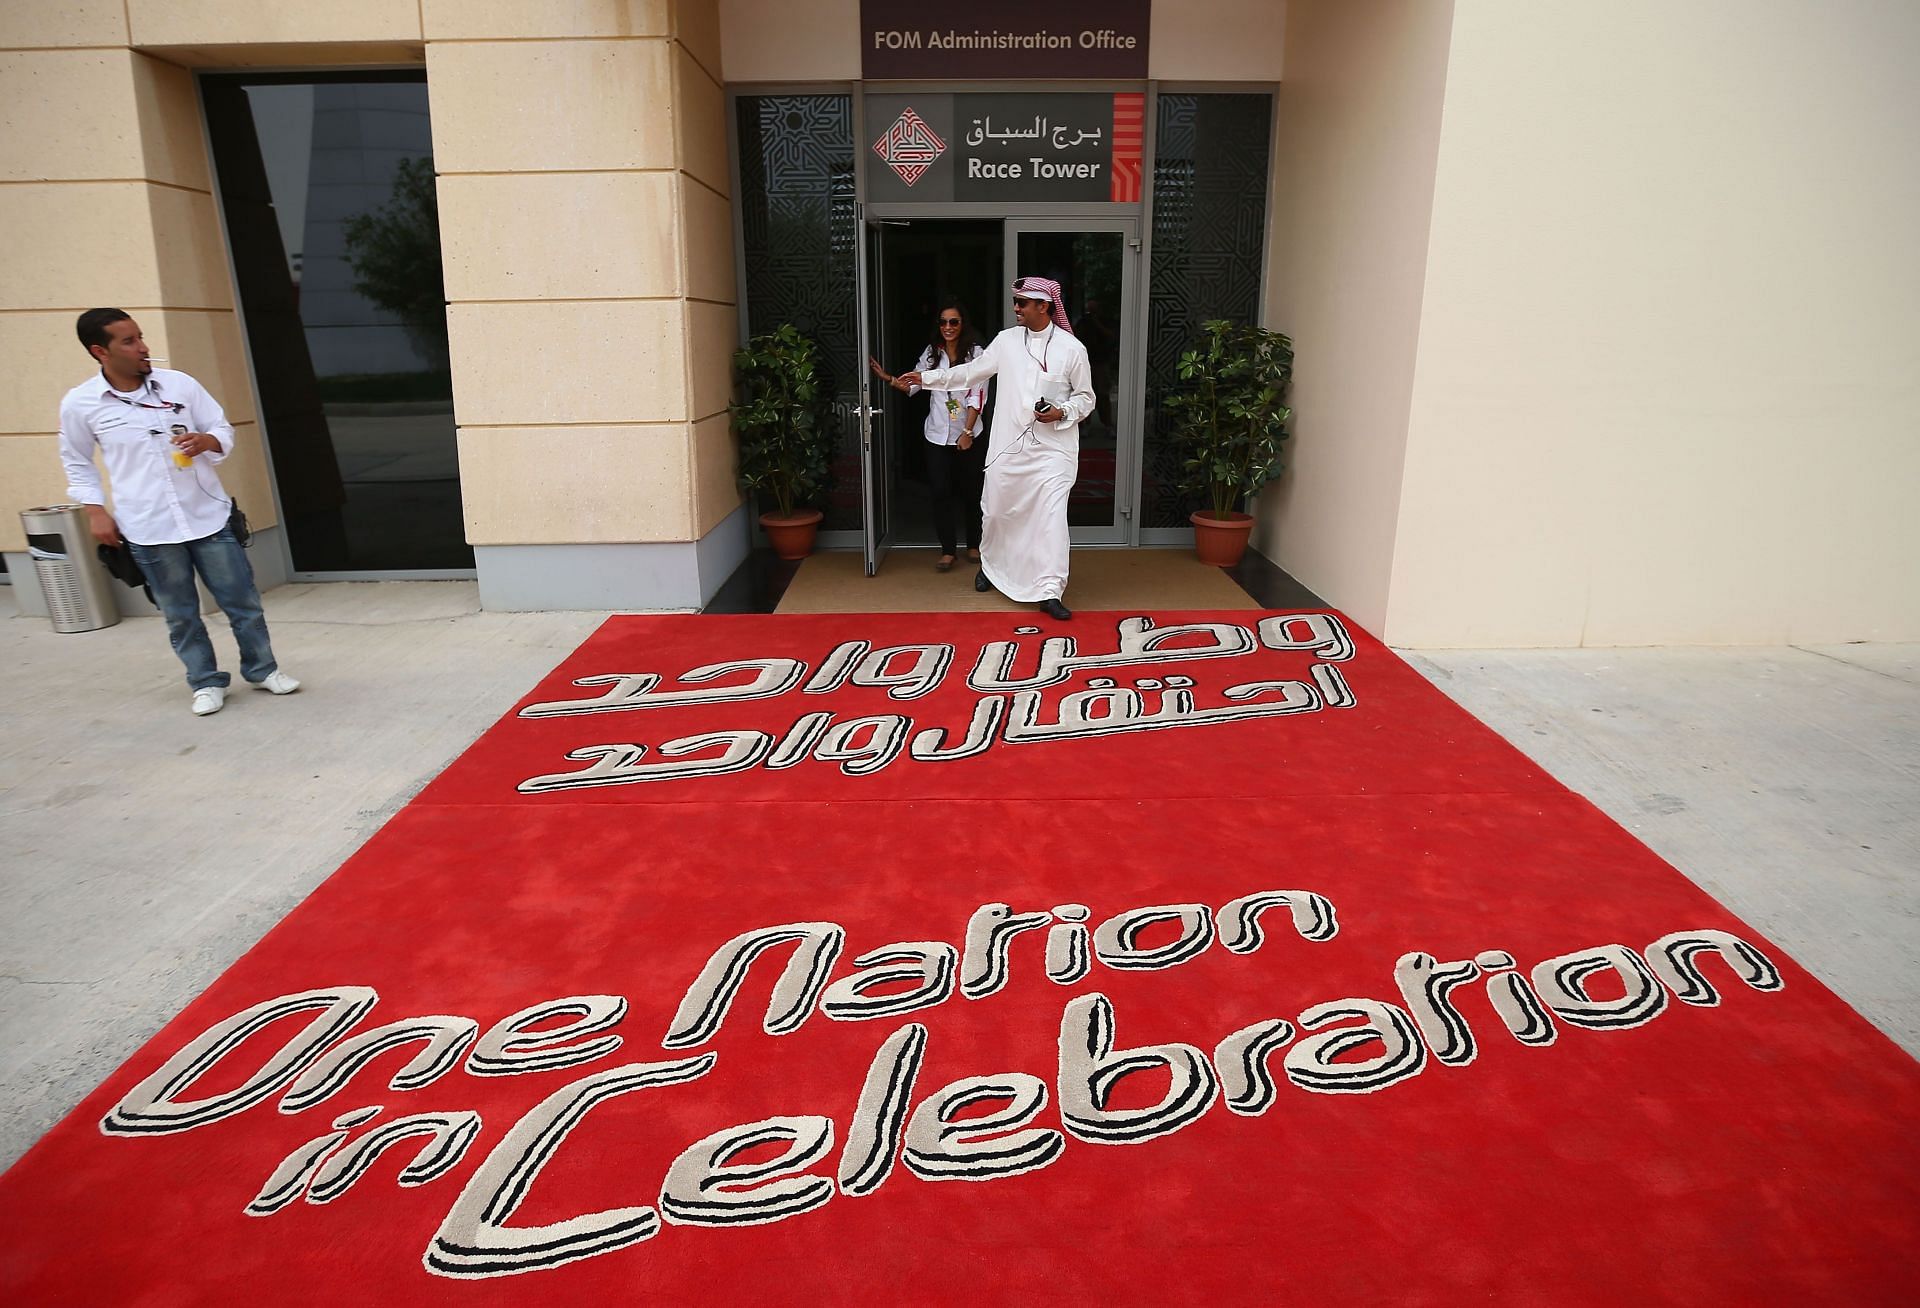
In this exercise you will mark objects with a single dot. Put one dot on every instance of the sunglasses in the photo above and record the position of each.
(949, 322)
(1019, 303)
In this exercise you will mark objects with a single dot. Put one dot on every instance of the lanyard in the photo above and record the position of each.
(148, 389)
(1046, 346)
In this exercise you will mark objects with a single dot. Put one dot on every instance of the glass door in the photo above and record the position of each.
(1096, 263)
(876, 441)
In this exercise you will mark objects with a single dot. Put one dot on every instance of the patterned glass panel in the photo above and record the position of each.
(1209, 241)
(799, 227)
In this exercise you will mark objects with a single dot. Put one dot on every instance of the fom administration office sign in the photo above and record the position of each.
(999, 39)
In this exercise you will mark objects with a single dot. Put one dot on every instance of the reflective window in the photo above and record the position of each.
(328, 189)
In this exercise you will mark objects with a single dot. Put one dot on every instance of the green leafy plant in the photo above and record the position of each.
(1230, 414)
(782, 418)
(394, 252)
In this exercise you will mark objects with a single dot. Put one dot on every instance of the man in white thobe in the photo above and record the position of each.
(1033, 458)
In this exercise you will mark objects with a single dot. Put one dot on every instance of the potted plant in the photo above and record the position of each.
(1229, 420)
(786, 437)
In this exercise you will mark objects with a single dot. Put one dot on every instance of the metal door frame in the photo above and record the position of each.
(876, 438)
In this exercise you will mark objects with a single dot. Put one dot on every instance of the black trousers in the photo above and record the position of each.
(953, 476)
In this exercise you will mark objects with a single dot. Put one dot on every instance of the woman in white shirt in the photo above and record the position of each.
(954, 439)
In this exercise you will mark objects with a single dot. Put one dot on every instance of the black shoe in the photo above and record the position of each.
(1054, 609)
(980, 582)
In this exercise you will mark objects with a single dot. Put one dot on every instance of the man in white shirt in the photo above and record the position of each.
(160, 434)
(1046, 390)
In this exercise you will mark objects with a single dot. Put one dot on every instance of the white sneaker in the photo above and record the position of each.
(279, 683)
(209, 699)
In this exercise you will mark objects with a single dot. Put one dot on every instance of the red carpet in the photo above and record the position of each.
(1162, 987)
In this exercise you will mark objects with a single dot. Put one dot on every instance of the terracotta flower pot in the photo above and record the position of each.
(791, 534)
(1220, 541)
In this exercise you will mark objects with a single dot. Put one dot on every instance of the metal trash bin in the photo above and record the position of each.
(77, 587)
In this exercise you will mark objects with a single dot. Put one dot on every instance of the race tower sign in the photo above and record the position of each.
(1005, 147)
(1005, 39)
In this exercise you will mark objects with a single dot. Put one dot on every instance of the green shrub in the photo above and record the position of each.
(783, 419)
(1230, 413)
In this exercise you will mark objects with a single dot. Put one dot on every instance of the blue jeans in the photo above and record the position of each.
(222, 563)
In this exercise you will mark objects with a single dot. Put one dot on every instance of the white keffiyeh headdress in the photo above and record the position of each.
(1042, 288)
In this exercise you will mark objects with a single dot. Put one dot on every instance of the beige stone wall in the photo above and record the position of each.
(106, 199)
(1217, 40)
(769, 41)
(1358, 129)
(1670, 334)
(586, 220)
(587, 234)
(1605, 319)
